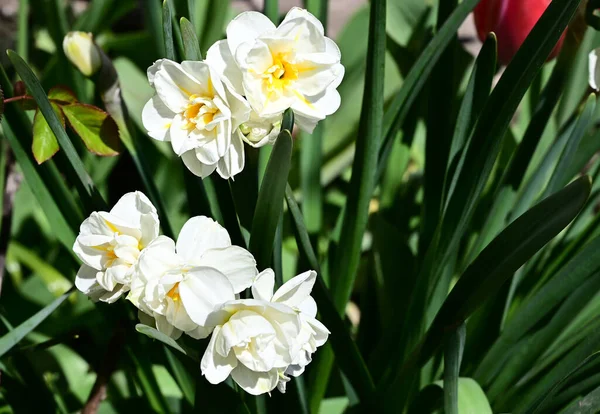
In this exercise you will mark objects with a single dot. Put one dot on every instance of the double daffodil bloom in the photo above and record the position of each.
(179, 285)
(254, 341)
(200, 114)
(295, 293)
(276, 68)
(109, 245)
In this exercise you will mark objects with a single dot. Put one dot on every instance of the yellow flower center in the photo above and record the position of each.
(174, 293)
(281, 74)
(199, 112)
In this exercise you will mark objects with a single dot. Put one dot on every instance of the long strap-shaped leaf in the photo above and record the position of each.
(482, 152)
(453, 352)
(364, 167)
(492, 268)
(348, 355)
(14, 337)
(88, 191)
(270, 200)
(574, 274)
(60, 227)
(414, 82)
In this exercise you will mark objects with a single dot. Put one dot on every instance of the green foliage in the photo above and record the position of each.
(452, 219)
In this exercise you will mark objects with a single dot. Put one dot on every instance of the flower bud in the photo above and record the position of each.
(259, 131)
(81, 50)
(511, 20)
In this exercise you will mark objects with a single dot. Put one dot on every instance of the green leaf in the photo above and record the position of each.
(271, 10)
(56, 282)
(414, 82)
(60, 226)
(485, 145)
(270, 200)
(88, 191)
(559, 177)
(96, 128)
(493, 267)
(184, 378)
(471, 398)
(159, 336)
(167, 26)
(574, 274)
(349, 357)
(507, 253)
(585, 354)
(8, 341)
(453, 352)
(44, 142)
(61, 95)
(362, 182)
(191, 46)
(1, 103)
(590, 404)
(142, 370)
(477, 92)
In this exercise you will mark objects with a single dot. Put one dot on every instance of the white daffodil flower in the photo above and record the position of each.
(253, 341)
(109, 245)
(295, 293)
(80, 49)
(179, 285)
(258, 132)
(594, 70)
(276, 68)
(199, 114)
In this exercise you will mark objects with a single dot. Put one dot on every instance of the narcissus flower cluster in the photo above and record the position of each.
(193, 286)
(208, 109)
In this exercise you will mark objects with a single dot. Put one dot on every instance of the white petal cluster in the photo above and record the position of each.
(239, 93)
(193, 286)
(260, 342)
(109, 245)
(179, 284)
(291, 66)
(200, 114)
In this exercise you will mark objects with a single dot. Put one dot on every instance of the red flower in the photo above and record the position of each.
(511, 20)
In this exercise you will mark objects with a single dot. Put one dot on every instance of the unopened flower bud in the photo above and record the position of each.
(259, 131)
(81, 50)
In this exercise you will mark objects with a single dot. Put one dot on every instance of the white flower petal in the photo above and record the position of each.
(193, 164)
(201, 72)
(174, 86)
(157, 118)
(296, 290)
(85, 281)
(202, 291)
(246, 27)
(162, 325)
(308, 307)
(132, 207)
(234, 160)
(220, 57)
(263, 286)
(198, 235)
(151, 72)
(298, 13)
(236, 263)
(215, 367)
(594, 70)
(180, 136)
(255, 383)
